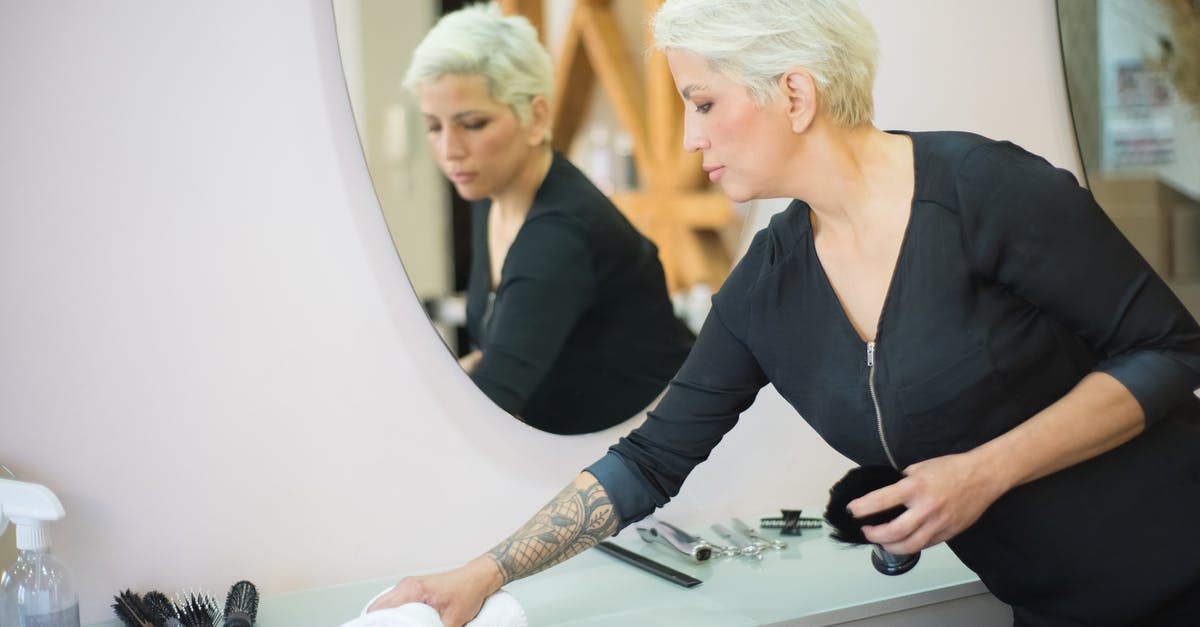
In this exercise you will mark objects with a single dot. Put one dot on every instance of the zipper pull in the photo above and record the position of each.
(870, 354)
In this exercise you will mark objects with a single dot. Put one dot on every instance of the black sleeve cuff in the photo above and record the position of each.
(1155, 379)
(625, 488)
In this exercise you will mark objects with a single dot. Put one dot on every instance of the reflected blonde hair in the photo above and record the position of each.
(754, 42)
(479, 40)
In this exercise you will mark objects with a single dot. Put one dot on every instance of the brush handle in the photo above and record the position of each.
(238, 619)
(892, 563)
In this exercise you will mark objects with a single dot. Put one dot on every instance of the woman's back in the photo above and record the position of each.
(580, 334)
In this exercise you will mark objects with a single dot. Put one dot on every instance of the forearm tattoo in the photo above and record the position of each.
(575, 520)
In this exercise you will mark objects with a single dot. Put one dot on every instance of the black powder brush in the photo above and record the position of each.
(130, 608)
(241, 605)
(848, 529)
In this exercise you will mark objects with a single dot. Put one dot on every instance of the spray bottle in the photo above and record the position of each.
(36, 591)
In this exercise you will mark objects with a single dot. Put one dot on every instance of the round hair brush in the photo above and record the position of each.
(130, 608)
(160, 610)
(848, 529)
(198, 609)
(241, 605)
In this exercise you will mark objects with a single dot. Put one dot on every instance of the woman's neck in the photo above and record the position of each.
(514, 201)
(852, 175)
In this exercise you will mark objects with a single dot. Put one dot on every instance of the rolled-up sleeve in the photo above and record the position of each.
(1033, 229)
(717, 382)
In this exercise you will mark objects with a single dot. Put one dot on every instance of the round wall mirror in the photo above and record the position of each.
(616, 123)
(1133, 75)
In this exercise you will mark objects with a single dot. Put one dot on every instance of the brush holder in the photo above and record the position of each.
(891, 563)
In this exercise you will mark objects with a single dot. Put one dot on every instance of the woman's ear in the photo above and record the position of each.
(800, 90)
(539, 121)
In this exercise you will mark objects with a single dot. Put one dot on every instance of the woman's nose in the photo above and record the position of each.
(452, 145)
(693, 140)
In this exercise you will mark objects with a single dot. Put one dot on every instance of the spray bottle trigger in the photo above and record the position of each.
(25, 503)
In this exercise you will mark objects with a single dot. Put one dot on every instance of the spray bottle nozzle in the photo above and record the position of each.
(28, 505)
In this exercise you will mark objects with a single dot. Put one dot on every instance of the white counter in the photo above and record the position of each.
(814, 581)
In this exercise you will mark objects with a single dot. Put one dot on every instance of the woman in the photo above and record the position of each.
(566, 301)
(947, 304)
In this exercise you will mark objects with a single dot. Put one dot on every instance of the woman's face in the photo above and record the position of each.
(743, 142)
(479, 142)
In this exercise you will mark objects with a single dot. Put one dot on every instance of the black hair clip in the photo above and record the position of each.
(791, 523)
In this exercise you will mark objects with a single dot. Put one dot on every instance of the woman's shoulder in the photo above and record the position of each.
(953, 166)
(567, 193)
(951, 150)
(771, 247)
(1003, 196)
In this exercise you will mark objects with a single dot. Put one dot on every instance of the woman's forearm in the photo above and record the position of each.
(945, 495)
(1096, 416)
(578, 518)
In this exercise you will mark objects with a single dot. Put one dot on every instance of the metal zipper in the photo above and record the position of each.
(875, 399)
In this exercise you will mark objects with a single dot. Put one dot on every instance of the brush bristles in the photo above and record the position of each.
(197, 609)
(131, 610)
(243, 599)
(159, 609)
(190, 609)
(857, 482)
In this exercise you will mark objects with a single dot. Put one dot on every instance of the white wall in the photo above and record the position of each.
(983, 66)
(208, 347)
(376, 39)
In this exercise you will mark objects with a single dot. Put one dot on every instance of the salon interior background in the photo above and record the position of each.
(210, 350)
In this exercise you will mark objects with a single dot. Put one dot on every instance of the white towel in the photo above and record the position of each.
(499, 610)
(407, 615)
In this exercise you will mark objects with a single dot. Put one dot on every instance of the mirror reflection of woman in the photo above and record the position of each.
(566, 304)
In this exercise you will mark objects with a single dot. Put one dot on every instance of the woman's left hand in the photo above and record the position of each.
(470, 360)
(944, 496)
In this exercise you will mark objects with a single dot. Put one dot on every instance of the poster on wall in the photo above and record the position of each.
(1139, 127)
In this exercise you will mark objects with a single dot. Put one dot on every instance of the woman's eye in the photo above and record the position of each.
(703, 108)
(475, 125)
(433, 129)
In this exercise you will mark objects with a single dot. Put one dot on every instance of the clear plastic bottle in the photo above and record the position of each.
(36, 591)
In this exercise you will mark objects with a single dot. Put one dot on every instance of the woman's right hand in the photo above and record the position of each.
(457, 595)
(577, 518)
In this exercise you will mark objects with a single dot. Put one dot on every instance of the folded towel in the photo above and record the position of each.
(407, 615)
(499, 610)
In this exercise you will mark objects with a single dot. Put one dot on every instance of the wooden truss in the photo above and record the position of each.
(673, 204)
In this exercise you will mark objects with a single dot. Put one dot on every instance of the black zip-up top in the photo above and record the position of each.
(1011, 285)
(580, 334)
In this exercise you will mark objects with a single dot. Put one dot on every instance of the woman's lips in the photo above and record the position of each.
(461, 178)
(715, 173)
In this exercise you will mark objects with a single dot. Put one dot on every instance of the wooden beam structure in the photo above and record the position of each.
(531, 9)
(673, 205)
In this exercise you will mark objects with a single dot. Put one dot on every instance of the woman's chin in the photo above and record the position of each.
(738, 194)
(469, 193)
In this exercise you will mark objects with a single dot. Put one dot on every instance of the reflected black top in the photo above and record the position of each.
(580, 333)
(1011, 285)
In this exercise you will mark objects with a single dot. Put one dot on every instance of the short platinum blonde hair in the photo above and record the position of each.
(754, 42)
(479, 40)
